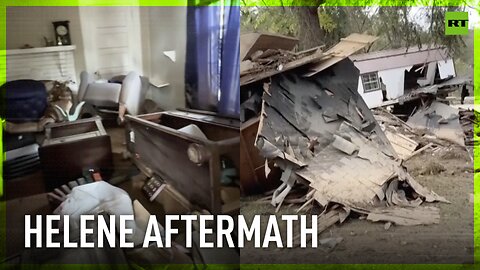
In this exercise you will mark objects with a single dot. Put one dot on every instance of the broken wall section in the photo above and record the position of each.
(322, 134)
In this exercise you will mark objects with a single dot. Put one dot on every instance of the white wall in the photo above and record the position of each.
(166, 28)
(28, 25)
(161, 29)
(112, 40)
(394, 80)
(372, 99)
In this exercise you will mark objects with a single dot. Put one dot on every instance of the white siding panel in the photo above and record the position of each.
(372, 99)
(446, 68)
(394, 81)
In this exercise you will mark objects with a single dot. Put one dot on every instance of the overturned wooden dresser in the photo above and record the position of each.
(71, 147)
(191, 152)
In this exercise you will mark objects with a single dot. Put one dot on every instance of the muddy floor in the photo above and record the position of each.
(447, 171)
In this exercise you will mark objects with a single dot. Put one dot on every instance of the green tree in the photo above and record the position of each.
(279, 20)
(316, 25)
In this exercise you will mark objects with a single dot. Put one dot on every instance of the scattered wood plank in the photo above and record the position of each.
(307, 203)
(407, 126)
(346, 47)
(406, 216)
(311, 50)
(403, 145)
(429, 145)
(324, 222)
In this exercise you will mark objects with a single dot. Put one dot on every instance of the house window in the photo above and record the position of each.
(370, 82)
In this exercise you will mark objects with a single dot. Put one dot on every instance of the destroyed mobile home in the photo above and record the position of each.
(398, 75)
(315, 126)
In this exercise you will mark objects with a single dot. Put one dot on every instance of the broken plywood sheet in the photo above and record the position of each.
(406, 216)
(346, 47)
(351, 180)
(403, 145)
(319, 60)
(303, 117)
(347, 186)
(441, 120)
(292, 112)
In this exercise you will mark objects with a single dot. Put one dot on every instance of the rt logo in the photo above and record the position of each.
(456, 23)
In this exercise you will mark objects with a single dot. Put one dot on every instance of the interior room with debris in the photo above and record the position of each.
(131, 110)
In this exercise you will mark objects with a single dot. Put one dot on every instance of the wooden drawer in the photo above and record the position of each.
(71, 147)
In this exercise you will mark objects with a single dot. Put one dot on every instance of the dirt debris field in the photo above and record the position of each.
(446, 170)
(402, 162)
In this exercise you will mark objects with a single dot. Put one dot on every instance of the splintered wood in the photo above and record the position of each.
(264, 63)
(403, 145)
(324, 222)
(422, 215)
(340, 182)
(322, 134)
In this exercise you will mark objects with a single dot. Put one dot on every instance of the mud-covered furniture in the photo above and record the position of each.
(190, 160)
(70, 148)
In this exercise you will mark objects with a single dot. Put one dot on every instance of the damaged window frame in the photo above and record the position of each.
(424, 71)
(365, 83)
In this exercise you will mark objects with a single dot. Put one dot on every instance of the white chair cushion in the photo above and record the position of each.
(103, 94)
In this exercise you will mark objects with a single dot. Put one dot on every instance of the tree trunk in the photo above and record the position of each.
(310, 34)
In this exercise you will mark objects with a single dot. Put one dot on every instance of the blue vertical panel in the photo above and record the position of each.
(202, 76)
(212, 67)
(230, 65)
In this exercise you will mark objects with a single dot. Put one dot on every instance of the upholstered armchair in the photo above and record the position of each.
(124, 97)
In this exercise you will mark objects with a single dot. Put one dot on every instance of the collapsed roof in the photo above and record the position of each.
(316, 127)
(396, 58)
(269, 62)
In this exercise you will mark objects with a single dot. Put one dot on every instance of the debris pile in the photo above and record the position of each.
(323, 135)
(404, 138)
(309, 62)
(412, 138)
(468, 120)
(440, 120)
(273, 59)
(260, 63)
(334, 152)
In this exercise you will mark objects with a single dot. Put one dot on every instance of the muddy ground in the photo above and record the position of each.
(447, 171)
